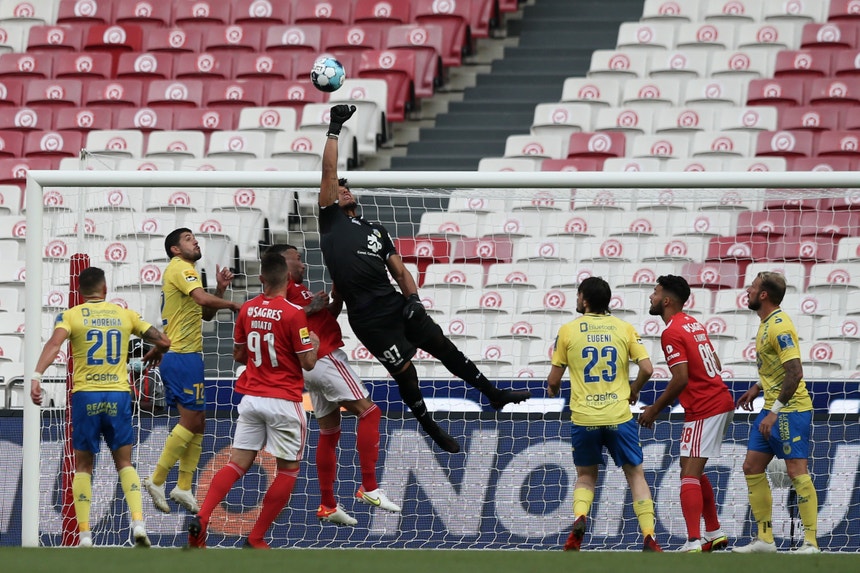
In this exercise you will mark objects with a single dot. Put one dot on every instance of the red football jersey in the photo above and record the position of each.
(322, 322)
(274, 332)
(686, 340)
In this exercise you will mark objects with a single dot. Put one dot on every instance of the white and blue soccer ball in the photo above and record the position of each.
(327, 74)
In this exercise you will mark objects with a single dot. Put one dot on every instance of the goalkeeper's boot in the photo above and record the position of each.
(255, 544)
(197, 532)
(691, 546)
(377, 498)
(138, 534)
(756, 546)
(335, 515)
(85, 539)
(156, 492)
(806, 549)
(574, 540)
(185, 498)
(505, 397)
(440, 436)
(650, 545)
(714, 541)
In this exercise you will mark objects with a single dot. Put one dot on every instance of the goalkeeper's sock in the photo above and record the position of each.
(327, 464)
(274, 501)
(82, 489)
(807, 507)
(709, 505)
(219, 487)
(131, 488)
(458, 364)
(691, 505)
(644, 510)
(410, 393)
(174, 446)
(367, 444)
(761, 502)
(582, 500)
(188, 462)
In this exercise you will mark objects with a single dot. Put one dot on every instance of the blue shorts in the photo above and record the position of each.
(789, 437)
(622, 441)
(182, 375)
(97, 414)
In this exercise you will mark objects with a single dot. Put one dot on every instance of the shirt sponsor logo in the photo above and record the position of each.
(305, 336)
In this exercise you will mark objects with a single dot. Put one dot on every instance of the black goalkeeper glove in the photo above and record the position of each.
(414, 309)
(338, 116)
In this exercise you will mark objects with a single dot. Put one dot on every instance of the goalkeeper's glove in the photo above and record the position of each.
(414, 309)
(338, 116)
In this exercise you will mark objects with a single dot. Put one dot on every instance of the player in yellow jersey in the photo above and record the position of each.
(783, 425)
(101, 395)
(184, 305)
(597, 349)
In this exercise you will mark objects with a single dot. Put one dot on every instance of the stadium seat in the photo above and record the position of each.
(749, 64)
(397, 68)
(69, 12)
(705, 36)
(127, 93)
(140, 164)
(148, 15)
(810, 118)
(837, 278)
(322, 12)
(715, 91)
(752, 119)
(294, 39)
(678, 64)
(791, 200)
(645, 36)
(262, 67)
(833, 225)
(674, 249)
(545, 249)
(596, 145)
(25, 119)
(423, 251)
(671, 11)
(767, 224)
(524, 327)
(370, 96)
(512, 225)
(772, 35)
(843, 91)
(237, 144)
(542, 200)
(832, 355)
(175, 144)
(618, 64)
(712, 275)
(845, 63)
(794, 273)
(561, 118)
(571, 165)
(174, 40)
(13, 37)
(113, 39)
(174, 93)
(201, 14)
(683, 120)
(518, 276)
(740, 326)
(724, 144)
(83, 119)
(536, 147)
(706, 222)
(509, 164)
(829, 36)
(839, 143)
(353, 38)
(55, 39)
(267, 119)
(663, 147)
(146, 65)
(307, 148)
(616, 249)
(233, 39)
(235, 93)
(10, 204)
(212, 65)
(269, 13)
(448, 225)
(848, 250)
(377, 12)
(427, 43)
(54, 93)
(174, 201)
(27, 66)
(468, 276)
(803, 249)
(806, 63)
(647, 92)
(558, 303)
(699, 164)
(777, 92)
(217, 164)
(735, 11)
(53, 144)
(144, 119)
(800, 12)
(126, 143)
(731, 301)
(597, 92)
(785, 144)
(831, 163)
(82, 66)
(475, 202)
(30, 11)
(850, 118)
(454, 20)
(13, 171)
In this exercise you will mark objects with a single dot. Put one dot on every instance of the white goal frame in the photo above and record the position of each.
(38, 180)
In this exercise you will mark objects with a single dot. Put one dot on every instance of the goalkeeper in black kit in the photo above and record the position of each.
(391, 324)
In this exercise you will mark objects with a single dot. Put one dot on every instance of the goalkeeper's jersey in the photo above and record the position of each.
(597, 350)
(99, 332)
(775, 344)
(181, 317)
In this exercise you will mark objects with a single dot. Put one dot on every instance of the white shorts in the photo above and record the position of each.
(279, 425)
(333, 381)
(704, 438)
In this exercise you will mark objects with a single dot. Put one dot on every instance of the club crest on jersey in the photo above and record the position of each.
(190, 276)
(785, 341)
(305, 335)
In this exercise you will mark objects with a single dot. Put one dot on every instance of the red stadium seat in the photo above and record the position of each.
(483, 251)
(354, 38)
(294, 39)
(25, 65)
(828, 223)
(836, 91)
(806, 63)
(397, 68)
(843, 11)
(775, 199)
(144, 119)
(803, 249)
(11, 92)
(777, 92)
(322, 12)
(83, 119)
(839, 143)
(845, 63)
(201, 13)
(172, 40)
(268, 13)
(14, 171)
(849, 202)
(25, 119)
(55, 39)
(785, 144)
(233, 93)
(206, 120)
(12, 144)
(214, 65)
(144, 14)
(423, 251)
(851, 119)
(262, 67)
(53, 144)
(427, 44)
(829, 35)
(146, 65)
(114, 39)
(381, 12)
(815, 119)
(293, 93)
(454, 20)
(82, 65)
(92, 12)
(53, 93)
(175, 93)
(114, 93)
(233, 38)
(735, 249)
(713, 275)
(767, 224)
(597, 145)
(820, 164)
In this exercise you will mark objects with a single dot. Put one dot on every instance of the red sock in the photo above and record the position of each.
(327, 464)
(219, 487)
(274, 501)
(709, 505)
(691, 506)
(367, 443)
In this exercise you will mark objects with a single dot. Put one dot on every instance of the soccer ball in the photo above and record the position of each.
(327, 74)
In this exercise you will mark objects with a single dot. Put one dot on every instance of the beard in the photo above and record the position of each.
(350, 206)
(655, 310)
(754, 304)
(196, 256)
(580, 308)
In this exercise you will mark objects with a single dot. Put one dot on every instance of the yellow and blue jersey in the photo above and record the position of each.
(181, 317)
(597, 350)
(775, 344)
(99, 332)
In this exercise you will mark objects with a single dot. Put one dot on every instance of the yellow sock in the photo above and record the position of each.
(761, 502)
(644, 510)
(174, 446)
(807, 506)
(582, 499)
(131, 488)
(82, 489)
(188, 462)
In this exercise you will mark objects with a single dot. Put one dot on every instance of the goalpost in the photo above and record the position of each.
(528, 237)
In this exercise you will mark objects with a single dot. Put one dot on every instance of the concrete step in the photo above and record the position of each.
(516, 81)
(455, 148)
(500, 104)
(479, 120)
(525, 93)
(435, 163)
(489, 132)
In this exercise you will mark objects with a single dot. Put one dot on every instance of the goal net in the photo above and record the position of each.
(498, 270)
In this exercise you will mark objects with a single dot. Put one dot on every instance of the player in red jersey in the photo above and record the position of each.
(708, 408)
(333, 384)
(272, 339)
